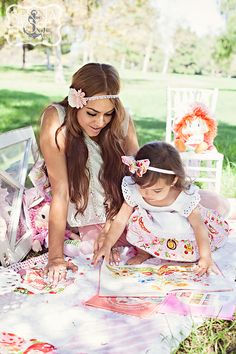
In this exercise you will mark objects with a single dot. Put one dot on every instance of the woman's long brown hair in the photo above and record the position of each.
(94, 78)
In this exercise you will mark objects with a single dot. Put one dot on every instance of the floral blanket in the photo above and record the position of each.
(63, 324)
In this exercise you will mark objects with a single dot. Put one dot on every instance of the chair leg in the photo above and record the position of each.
(219, 167)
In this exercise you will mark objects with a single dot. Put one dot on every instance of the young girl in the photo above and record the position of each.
(165, 217)
(82, 138)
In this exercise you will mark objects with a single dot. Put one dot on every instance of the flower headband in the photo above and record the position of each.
(77, 98)
(141, 166)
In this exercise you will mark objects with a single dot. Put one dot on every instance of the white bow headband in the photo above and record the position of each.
(76, 98)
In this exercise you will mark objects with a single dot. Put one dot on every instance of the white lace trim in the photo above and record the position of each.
(127, 193)
(191, 202)
(95, 212)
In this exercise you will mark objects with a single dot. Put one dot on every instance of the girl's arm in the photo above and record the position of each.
(57, 172)
(115, 231)
(131, 142)
(205, 263)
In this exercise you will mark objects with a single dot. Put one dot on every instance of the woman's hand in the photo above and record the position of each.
(56, 269)
(207, 266)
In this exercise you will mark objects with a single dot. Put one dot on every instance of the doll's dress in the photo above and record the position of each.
(165, 231)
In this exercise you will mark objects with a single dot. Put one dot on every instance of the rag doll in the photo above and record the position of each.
(195, 130)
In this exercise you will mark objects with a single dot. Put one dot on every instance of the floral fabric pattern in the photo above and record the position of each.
(165, 231)
(171, 248)
(10, 343)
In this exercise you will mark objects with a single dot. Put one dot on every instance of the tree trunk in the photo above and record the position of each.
(91, 53)
(58, 68)
(122, 63)
(48, 52)
(85, 53)
(23, 56)
(148, 52)
(166, 63)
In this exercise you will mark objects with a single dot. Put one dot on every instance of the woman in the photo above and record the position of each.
(82, 139)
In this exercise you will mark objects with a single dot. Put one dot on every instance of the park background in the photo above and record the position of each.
(153, 44)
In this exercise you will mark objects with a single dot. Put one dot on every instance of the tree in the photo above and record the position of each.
(5, 4)
(225, 48)
(130, 30)
(185, 56)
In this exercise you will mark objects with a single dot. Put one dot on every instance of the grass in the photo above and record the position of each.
(24, 94)
(214, 336)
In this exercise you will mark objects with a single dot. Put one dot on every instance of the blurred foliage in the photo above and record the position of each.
(225, 48)
(136, 35)
(190, 55)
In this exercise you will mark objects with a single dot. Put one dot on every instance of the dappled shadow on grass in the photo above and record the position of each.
(149, 129)
(138, 81)
(225, 141)
(20, 109)
(35, 68)
(227, 89)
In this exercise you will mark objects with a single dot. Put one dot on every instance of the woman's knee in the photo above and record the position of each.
(214, 201)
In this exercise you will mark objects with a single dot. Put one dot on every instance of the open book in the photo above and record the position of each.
(216, 305)
(152, 280)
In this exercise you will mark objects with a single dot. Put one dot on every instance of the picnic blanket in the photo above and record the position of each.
(63, 322)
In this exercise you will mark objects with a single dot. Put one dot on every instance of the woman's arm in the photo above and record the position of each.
(115, 231)
(131, 142)
(206, 264)
(57, 172)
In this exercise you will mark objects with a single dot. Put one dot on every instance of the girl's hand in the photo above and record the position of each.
(207, 266)
(56, 269)
(110, 254)
(98, 243)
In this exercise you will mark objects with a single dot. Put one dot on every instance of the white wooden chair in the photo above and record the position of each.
(201, 167)
(18, 149)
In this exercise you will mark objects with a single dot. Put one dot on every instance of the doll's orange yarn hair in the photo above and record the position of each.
(197, 111)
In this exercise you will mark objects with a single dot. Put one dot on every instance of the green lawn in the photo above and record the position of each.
(23, 95)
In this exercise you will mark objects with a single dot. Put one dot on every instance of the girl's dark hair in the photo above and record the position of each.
(165, 156)
(93, 79)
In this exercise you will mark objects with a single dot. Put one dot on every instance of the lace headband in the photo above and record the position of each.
(141, 166)
(77, 98)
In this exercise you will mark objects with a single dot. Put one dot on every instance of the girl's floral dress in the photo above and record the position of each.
(165, 232)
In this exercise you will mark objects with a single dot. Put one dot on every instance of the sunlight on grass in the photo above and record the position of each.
(25, 93)
(228, 181)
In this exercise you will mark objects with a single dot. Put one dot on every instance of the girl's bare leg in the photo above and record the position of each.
(139, 258)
